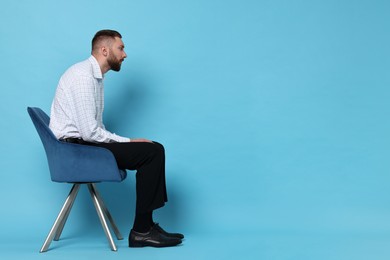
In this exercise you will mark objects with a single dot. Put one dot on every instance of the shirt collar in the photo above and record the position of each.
(97, 73)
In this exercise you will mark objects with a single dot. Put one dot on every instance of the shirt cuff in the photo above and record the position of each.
(120, 139)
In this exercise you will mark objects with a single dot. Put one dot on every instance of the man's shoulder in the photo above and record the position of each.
(79, 74)
(83, 68)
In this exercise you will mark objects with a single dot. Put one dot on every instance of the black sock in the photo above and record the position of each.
(142, 222)
(151, 219)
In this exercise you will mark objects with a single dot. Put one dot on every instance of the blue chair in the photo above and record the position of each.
(77, 164)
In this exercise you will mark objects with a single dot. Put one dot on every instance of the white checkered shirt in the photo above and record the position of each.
(77, 109)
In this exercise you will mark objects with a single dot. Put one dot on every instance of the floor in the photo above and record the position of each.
(269, 244)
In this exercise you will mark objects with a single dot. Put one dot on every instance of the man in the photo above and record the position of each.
(77, 116)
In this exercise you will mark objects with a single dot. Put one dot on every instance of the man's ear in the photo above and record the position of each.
(104, 51)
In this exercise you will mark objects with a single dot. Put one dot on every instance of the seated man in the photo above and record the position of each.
(76, 116)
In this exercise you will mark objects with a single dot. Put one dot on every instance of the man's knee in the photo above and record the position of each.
(160, 147)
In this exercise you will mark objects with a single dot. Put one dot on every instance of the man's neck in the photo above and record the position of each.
(104, 67)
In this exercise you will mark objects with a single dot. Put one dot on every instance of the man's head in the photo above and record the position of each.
(108, 49)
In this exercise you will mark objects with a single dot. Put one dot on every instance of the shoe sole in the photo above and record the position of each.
(132, 244)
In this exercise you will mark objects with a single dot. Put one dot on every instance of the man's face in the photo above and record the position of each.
(116, 54)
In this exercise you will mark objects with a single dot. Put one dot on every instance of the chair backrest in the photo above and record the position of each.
(41, 122)
(70, 162)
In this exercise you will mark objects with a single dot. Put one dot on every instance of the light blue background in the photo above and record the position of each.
(274, 115)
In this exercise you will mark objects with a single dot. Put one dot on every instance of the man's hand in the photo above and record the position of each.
(140, 140)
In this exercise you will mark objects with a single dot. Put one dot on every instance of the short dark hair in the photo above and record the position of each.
(104, 35)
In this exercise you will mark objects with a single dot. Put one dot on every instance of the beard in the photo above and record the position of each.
(114, 63)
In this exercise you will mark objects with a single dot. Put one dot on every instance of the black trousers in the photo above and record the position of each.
(148, 159)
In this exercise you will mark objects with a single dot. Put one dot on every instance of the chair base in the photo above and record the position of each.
(101, 209)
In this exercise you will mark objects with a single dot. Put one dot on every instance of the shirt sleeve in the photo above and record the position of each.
(84, 112)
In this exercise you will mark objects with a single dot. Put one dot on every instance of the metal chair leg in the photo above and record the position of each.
(107, 214)
(60, 218)
(63, 222)
(101, 216)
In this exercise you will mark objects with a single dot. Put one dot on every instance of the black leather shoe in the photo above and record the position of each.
(157, 227)
(152, 238)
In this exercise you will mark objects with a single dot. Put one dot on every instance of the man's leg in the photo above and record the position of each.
(149, 161)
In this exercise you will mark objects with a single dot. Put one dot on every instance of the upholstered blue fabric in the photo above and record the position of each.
(69, 162)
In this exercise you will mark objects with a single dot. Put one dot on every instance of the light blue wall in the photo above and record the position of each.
(274, 114)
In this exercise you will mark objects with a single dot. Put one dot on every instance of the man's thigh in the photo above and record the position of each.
(132, 155)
